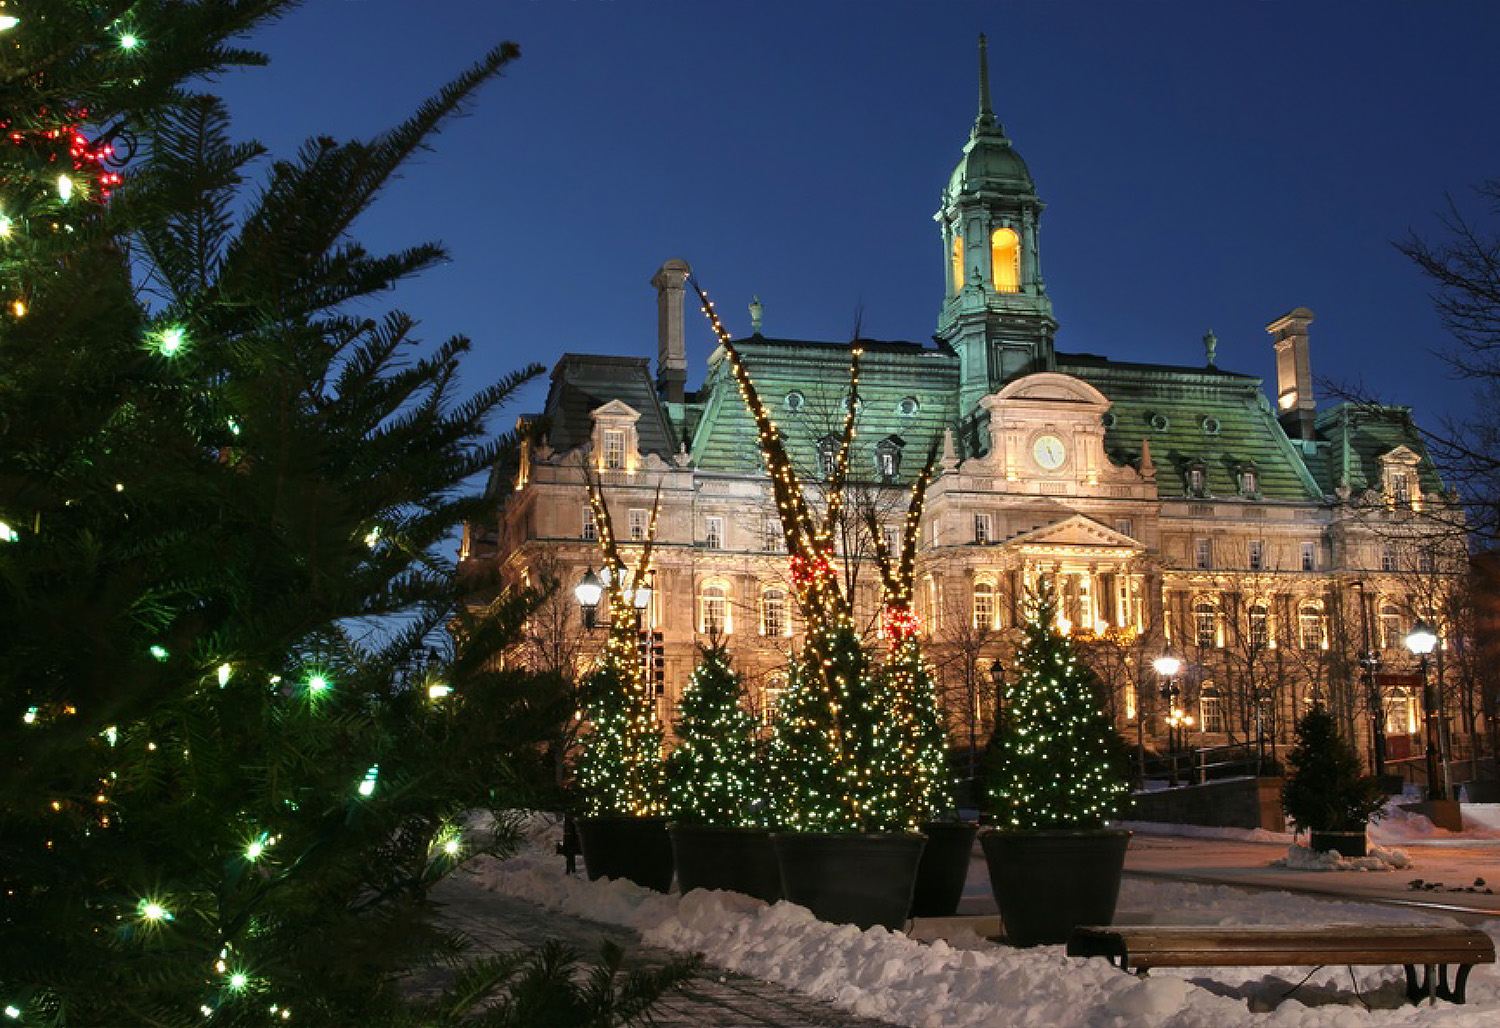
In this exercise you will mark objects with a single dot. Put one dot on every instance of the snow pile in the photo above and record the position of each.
(886, 975)
(1302, 858)
(1481, 821)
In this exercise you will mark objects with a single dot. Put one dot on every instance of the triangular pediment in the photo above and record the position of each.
(1402, 455)
(615, 409)
(1075, 531)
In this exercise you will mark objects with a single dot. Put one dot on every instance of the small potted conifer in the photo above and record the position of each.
(1327, 795)
(1053, 864)
(717, 808)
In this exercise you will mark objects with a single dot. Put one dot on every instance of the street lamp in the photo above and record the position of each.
(1167, 667)
(1369, 660)
(1422, 640)
(588, 593)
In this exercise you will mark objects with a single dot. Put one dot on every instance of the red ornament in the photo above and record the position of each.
(900, 623)
(805, 572)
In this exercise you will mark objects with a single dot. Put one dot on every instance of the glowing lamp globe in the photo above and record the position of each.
(1167, 666)
(589, 591)
(1421, 640)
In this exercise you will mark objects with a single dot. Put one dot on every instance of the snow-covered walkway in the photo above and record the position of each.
(970, 981)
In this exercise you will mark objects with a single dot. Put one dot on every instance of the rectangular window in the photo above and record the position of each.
(1310, 627)
(713, 532)
(892, 540)
(590, 530)
(1387, 559)
(640, 520)
(1196, 481)
(1203, 554)
(1309, 556)
(1257, 555)
(1124, 527)
(1426, 562)
(1211, 708)
(772, 539)
(1400, 489)
(1206, 618)
(984, 531)
(715, 620)
(614, 449)
(1260, 626)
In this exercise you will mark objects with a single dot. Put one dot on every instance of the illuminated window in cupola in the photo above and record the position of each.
(958, 263)
(1005, 259)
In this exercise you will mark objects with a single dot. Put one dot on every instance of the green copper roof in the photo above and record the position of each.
(583, 382)
(1217, 420)
(1359, 434)
(907, 394)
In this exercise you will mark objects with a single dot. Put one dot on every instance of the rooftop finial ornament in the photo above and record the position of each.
(986, 119)
(1210, 346)
(756, 312)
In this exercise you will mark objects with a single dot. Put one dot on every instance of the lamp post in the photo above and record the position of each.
(588, 592)
(1422, 640)
(1261, 697)
(1369, 660)
(1167, 667)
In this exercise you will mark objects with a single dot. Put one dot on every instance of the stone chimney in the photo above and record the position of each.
(1295, 405)
(671, 352)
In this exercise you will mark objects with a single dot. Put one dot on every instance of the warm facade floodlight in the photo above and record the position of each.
(1167, 666)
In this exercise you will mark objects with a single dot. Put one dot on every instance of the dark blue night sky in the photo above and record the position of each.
(1206, 165)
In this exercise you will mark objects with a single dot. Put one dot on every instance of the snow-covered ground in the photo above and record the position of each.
(970, 981)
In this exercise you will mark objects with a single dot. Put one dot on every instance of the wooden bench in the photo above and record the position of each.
(1139, 948)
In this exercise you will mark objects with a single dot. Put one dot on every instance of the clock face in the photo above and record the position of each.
(1048, 451)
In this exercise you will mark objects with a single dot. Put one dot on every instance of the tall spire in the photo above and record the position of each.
(985, 122)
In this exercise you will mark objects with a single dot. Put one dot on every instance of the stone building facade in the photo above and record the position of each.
(1267, 542)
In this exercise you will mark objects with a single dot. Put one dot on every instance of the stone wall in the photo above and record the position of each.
(1232, 803)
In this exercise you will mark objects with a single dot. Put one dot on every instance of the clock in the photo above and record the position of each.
(1049, 452)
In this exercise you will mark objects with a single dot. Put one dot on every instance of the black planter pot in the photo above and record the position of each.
(1345, 844)
(850, 878)
(735, 859)
(944, 868)
(1046, 883)
(636, 848)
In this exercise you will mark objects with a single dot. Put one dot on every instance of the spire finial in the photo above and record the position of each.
(986, 112)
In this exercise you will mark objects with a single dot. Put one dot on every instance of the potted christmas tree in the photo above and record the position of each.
(1052, 863)
(848, 849)
(718, 811)
(920, 778)
(1327, 795)
(619, 768)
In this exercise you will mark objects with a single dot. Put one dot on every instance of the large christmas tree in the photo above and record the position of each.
(1054, 766)
(237, 741)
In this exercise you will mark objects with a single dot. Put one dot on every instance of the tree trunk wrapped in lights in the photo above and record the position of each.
(916, 765)
(1055, 765)
(842, 753)
(619, 766)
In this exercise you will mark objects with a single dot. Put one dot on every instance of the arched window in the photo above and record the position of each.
(1206, 623)
(1390, 627)
(958, 263)
(984, 605)
(1005, 259)
(773, 620)
(1259, 616)
(1310, 628)
(713, 609)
